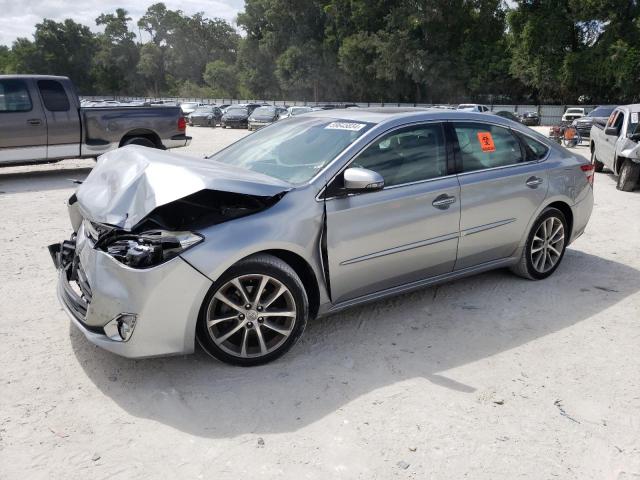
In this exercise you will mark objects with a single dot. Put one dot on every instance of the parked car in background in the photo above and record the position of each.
(293, 111)
(615, 145)
(209, 115)
(573, 113)
(189, 107)
(509, 115)
(263, 116)
(237, 115)
(530, 118)
(41, 121)
(305, 218)
(473, 107)
(598, 115)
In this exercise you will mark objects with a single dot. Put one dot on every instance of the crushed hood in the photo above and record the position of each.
(129, 183)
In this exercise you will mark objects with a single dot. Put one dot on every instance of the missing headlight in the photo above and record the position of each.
(150, 248)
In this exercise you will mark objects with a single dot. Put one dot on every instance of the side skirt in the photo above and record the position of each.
(409, 287)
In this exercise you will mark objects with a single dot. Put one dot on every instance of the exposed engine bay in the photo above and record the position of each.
(168, 230)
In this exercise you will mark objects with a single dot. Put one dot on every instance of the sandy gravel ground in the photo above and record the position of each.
(492, 377)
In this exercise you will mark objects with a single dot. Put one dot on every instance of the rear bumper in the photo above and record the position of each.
(582, 214)
(95, 290)
(177, 141)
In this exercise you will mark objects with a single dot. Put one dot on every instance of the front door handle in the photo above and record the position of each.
(443, 201)
(534, 182)
(34, 121)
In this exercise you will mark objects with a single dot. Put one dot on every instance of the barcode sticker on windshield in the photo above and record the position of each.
(634, 117)
(354, 127)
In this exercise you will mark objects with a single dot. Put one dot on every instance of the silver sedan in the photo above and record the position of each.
(304, 218)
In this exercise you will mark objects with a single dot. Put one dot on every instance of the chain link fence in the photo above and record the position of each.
(549, 114)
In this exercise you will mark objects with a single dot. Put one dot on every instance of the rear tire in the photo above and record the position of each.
(598, 166)
(545, 247)
(231, 326)
(144, 142)
(629, 174)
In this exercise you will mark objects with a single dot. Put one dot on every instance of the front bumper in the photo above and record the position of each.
(94, 289)
(255, 125)
(235, 123)
(202, 121)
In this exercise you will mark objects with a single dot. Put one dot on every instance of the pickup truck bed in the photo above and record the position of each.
(41, 121)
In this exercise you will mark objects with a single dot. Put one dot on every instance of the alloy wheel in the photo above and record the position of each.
(251, 316)
(547, 244)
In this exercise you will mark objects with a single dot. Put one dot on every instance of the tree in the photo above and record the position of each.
(59, 48)
(117, 54)
(222, 78)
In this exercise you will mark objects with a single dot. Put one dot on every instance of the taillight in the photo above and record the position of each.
(182, 124)
(588, 170)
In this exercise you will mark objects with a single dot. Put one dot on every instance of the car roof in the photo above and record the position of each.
(634, 107)
(378, 115)
(37, 77)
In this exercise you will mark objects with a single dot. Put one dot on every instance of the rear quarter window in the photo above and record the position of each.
(54, 96)
(535, 150)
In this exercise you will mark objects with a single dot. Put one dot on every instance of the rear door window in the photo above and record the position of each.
(14, 96)
(483, 146)
(54, 96)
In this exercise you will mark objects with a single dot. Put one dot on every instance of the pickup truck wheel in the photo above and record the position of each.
(254, 313)
(545, 246)
(629, 174)
(598, 166)
(144, 142)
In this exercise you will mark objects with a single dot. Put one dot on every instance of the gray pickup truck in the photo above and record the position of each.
(615, 145)
(41, 121)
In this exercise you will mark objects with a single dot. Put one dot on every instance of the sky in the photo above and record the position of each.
(19, 19)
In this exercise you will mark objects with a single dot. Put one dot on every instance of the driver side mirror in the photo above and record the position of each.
(611, 131)
(362, 180)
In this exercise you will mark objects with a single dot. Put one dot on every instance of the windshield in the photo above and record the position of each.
(574, 110)
(293, 150)
(204, 109)
(299, 110)
(601, 112)
(237, 110)
(466, 106)
(189, 105)
(265, 111)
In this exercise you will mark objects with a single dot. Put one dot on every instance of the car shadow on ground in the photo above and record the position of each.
(344, 356)
(42, 180)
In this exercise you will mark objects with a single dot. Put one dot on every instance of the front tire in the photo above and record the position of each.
(598, 166)
(545, 247)
(629, 174)
(254, 313)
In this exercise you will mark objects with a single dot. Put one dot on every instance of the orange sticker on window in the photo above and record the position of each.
(486, 142)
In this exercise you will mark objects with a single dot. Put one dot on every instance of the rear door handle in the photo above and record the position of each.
(533, 182)
(34, 121)
(443, 201)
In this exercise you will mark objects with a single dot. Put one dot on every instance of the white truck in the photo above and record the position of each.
(615, 145)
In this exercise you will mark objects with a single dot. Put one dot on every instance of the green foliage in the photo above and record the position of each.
(367, 50)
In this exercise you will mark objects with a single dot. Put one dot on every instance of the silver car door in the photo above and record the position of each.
(500, 190)
(23, 127)
(407, 231)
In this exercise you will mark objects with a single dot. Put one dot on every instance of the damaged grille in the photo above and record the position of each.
(76, 292)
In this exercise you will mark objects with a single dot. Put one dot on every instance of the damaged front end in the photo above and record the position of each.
(143, 207)
(170, 229)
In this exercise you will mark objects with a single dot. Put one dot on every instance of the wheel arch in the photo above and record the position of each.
(143, 133)
(565, 208)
